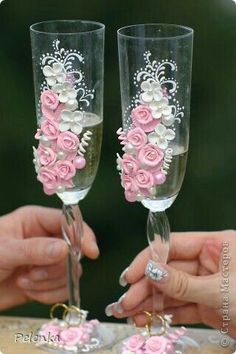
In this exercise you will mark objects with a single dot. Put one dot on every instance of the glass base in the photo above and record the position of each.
(88, 337)
(73, 196)
(158, 205)
(167, 344)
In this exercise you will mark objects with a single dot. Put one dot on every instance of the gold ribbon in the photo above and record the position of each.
(150, 318)
(67, 311)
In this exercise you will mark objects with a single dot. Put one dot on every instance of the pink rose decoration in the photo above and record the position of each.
(130, 196)
(50, 129)
(142, 118)
(72, 335)
(50, 330)
(68, 141)
(151, 156)
(46, 156)
(129, 183)
(144, 179)
(49, 99)
(49, 179)
(134, 343)
(130, 164)
(65, 169)
(137, 137)
(53, 115)
(156, 345)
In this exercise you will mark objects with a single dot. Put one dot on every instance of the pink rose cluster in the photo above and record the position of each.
(142, 161)
(153, 345)
(70, 336)
(56, 158)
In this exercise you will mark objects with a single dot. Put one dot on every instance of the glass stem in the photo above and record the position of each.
(72, 230)
(158, 234)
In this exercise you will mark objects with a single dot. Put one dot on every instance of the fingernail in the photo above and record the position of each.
(118, 305)
(130, 321)
(155, 272)
(122, 280)
(108, 309)
(55, 249)
(95, 247)
(24, 283)
(38, 275)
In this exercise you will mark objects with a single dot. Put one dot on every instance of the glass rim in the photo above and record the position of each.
(189, 31)
(100, 27)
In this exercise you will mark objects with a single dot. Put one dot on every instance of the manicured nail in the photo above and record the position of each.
(108, 309)
(55, 249)
(118, 305)
(122, 280)
(24, 282)
(155, 272)
(130, 321)
(38, 275)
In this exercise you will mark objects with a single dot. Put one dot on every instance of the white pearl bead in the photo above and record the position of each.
(60, 189)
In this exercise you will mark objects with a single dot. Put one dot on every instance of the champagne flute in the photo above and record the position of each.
(68, 65)
(155, 63)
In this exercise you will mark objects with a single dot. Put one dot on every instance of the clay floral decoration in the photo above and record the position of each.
(59, 335)
(62, 141)
(148, 130)
(138, 344)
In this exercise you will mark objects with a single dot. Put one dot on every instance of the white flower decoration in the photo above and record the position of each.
(161, 109)
(66, 92)
(71, 121)
(161, 136)
(54, 73)
(152, 91)
(71, 104)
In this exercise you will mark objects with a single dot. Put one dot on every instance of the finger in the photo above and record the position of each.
(49, 297)
(89, 244)
(46, 285)
(147, 305)
(136, 270)
(32, 251)
(183, 246)
(48, 272)
(182, 286)
(39, 221)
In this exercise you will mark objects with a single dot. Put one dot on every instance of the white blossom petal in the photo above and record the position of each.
(64, 126)
(63, 97)
(168, 120)
(146, 97)
(167, 110)
(66, 115)
(158, 96)
(156, 86)
(51, 80)
(162, 143)
(72, 104)
(156, 114)
(170, 134)
(58, 88)
(61, 77)
(78, 116)
(146, 86)
(57, 68)
(71, 93)
(153, 137)
(76, 128)
(47, 70)
(160, 129)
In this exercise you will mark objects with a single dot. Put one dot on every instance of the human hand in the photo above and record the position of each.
(33, 258)
(197, 267)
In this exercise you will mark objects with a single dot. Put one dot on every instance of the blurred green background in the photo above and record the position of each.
(207, 199)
